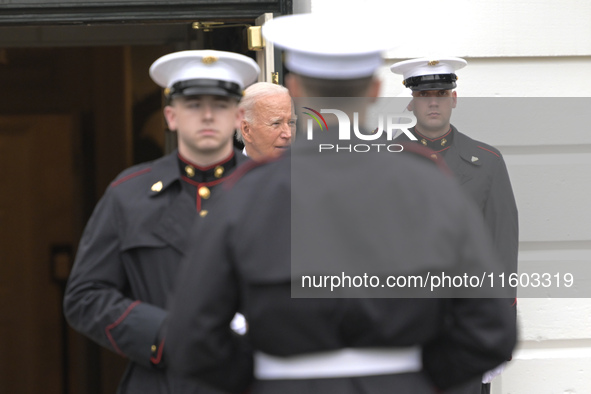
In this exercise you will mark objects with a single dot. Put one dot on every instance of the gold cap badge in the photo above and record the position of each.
(433, 63)
(209, 59)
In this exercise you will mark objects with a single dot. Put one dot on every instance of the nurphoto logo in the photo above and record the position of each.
(393, 123)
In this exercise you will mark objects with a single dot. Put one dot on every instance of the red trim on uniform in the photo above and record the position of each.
(158, 358)
(514, 302)
(243, 169)
(116, 323)
(426, 152)
(128, 177)
(496, 154)
(436, 139)
(198, 184)
(208, 167)
(439, 151)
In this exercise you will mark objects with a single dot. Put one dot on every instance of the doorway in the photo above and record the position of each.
(78, 108)
(37, 212)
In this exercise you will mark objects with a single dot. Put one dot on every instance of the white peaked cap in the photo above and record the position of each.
(426, 66)
(428, 73)
(204, 72)
(324, 47)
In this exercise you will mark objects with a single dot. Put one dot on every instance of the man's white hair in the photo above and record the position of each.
(254, 93)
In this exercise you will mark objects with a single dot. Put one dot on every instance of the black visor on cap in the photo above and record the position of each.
(431, 82)
(196, 87)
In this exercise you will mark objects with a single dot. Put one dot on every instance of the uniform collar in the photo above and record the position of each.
(438, 144)
(193, 173)
(167, 170)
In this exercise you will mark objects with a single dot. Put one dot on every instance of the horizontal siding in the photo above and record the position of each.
(509, 77)
(554, 323)
(476, 28)
(519, 49)
(546, 374)
(552, 193)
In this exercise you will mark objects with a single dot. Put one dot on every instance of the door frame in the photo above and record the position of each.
(34, 12)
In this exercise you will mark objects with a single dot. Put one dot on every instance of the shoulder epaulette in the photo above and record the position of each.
(243, 169)
(130, 176)
(419, 150)
(490, 149)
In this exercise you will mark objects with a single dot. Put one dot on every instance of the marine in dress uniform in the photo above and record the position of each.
(131, 248)
(479, 167)
(341, 345)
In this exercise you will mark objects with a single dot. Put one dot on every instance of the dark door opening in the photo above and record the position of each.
(78, 107)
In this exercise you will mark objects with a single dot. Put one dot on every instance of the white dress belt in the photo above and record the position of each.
(338, 363)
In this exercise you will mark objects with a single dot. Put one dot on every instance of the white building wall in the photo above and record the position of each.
(518, 48)
(560, 76)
